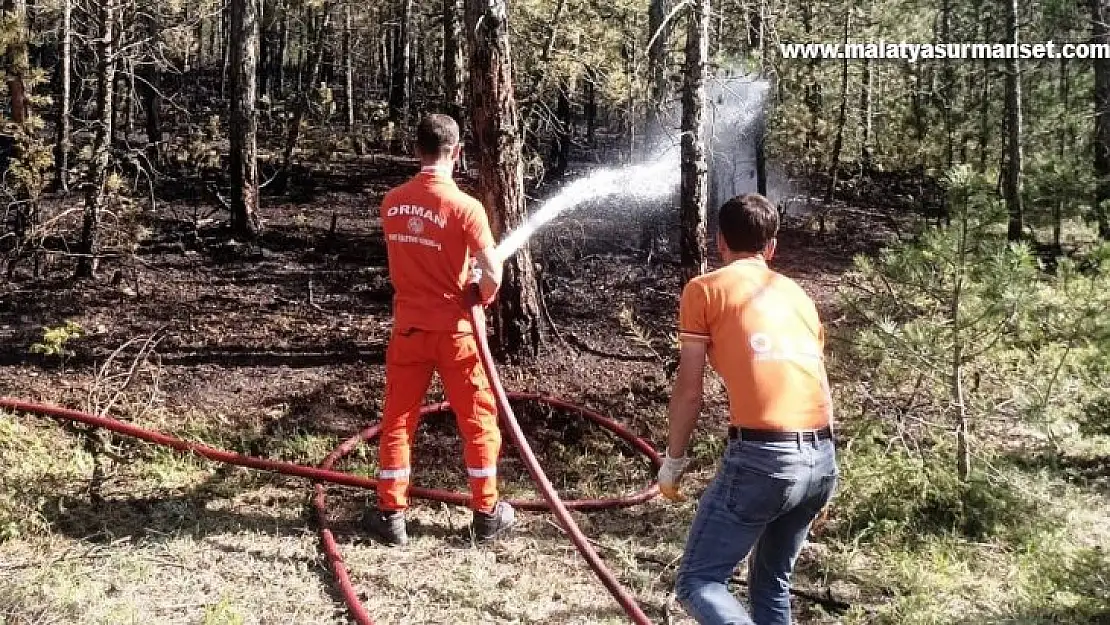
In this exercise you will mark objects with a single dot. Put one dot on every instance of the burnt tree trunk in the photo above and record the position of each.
(1013, 173)
(101, 158)
(1100, 10)
(866, 117)
(17, 63)
(812, 89)
(225, 48)
(282, 49)
(659, 35)
(1061, 154)
(841, 118)
(453, 61)
(243, 159)
(348, 67)
(402, 59)
(983, 141)
(26, 188)
(590, 106)
(948, 87)
(65, 98)
(496, 128)
(695, 184)
(560, 146)
(150, 85)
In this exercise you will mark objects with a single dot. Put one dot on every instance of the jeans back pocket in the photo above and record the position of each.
(757, 498)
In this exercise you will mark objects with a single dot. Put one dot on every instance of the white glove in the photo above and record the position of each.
(670, 475)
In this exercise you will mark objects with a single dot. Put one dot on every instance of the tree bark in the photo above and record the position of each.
(694, 169)
(17, 62)
(560, 147)
(496, 129)
(948, 87)
(65, 98)
(984, 117)
(101, 157)
(282, 49)
(243, 159)
(660, 30)
(1013, 173)
(1061, 155)
(630, 110)
(303, 96)
(150, 85)
(1100, 23)
(348, 67)
(452, 61)
(590, 106)
(813, 91)
(866, 117)
(841, 118)
(225, 48)
(26, 188)
(402, 58)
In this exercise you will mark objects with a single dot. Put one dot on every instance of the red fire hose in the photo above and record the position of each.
(325, 473)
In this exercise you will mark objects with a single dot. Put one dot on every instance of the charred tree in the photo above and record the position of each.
(561, 143)
(841, 119)
(17, 64)
(348, 67)
(65, 99)
(496, 127)
(1013, 174)
(866, 117)
(97, 178)
(1100, 22)
(453, 61)
(399, 93)
(659, 36)
(695, 185)
(150, 86)
(245, 221)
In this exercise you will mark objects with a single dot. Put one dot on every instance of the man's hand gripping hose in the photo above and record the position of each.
(670, 477)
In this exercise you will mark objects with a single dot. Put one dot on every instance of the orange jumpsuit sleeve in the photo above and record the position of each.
(693, 313)
(476, 227)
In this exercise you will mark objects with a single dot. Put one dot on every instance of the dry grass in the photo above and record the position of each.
(178, 540)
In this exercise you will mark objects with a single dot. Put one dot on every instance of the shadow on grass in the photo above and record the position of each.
(1092, 473)
(1077, 591)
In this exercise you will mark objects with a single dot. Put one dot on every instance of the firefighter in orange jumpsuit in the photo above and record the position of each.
(438, 241)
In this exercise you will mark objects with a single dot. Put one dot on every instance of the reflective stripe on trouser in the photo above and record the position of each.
(409, 363)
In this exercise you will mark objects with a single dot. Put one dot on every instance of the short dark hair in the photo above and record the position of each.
(436, 134)
(748, 222)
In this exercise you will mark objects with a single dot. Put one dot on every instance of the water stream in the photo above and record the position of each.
(735, 107)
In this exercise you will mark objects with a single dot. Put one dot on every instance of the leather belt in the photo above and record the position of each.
(780, 436)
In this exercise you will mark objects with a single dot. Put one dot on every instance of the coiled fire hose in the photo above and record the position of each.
(325, 473)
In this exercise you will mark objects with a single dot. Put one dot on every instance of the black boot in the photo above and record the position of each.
(387, 526)
(487, 526)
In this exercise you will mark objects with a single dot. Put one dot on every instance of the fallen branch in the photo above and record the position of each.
(586, 347)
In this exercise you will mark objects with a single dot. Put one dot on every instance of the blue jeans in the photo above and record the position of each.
(762, 501)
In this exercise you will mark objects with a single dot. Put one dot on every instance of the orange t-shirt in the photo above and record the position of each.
(431, 230)
(765, 341)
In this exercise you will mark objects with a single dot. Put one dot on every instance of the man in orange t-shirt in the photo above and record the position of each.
(762, 335)
(438, 239)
